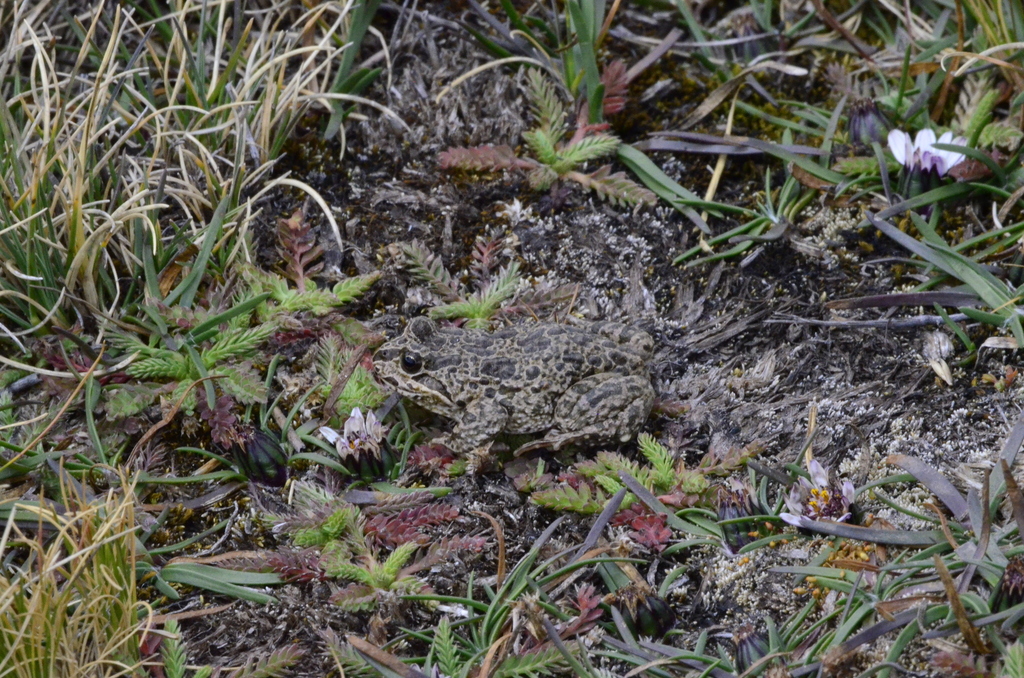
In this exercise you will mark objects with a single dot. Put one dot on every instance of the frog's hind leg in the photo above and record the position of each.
(603, 408)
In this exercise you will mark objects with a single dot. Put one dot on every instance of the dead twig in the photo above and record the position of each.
(500, 536)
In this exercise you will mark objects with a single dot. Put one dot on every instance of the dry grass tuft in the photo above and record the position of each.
(120, 136)
(69, 606)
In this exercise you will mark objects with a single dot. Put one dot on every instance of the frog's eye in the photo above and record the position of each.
(411, 363)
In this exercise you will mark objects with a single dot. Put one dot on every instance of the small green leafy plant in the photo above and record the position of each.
(479, 307)
(588, 485)
(190, 344)
(186, 346)
(558, 151)
(361, 390)
(298, 249)
(351, 542)
(496, 292)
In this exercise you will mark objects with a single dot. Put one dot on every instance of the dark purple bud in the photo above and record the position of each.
(751, 647)
(646, 614)
(260, 457)
(866, 123)
(733, 504)
(743, 25)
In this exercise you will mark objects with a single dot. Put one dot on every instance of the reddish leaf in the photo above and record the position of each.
(481, 159)
(651, 531)
(485, 260)
(430, 458)
(960, 665)
(970, 169)
(572, 480)
(404, 526)
(680, 500)
(615, 86)
(297, 566)
(588, 604)
(298, 248)
(626, 516)
(587, 599)
(223, 424)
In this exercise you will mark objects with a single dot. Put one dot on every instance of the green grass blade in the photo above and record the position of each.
(185, 292)
(229, 582)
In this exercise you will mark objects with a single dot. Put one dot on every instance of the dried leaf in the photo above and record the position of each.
(616, 188)
(482, 159)
(969, 631)
(808, 179)
(169, 276)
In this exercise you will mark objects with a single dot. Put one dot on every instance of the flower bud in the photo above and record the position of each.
(645, 613)
(751, 647)
(743, 25)
(737, 502)
(866, 123)
(260, 457)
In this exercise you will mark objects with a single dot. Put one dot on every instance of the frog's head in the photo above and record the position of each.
(409, 363)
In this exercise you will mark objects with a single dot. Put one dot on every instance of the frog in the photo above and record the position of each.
(585, 386)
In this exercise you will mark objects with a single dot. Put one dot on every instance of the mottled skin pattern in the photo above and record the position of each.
(574, 385)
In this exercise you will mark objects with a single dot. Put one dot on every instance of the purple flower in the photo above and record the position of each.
(922, 154)
(359, 433)
(360, 446)
(260, 457)
(817, 498)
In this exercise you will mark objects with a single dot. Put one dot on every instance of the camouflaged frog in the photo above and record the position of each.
(575, 385)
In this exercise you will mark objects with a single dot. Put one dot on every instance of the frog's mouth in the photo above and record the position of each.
(431, 386)
(427, 389)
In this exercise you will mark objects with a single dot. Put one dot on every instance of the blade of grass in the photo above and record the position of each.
(662, 185)
(934, 481)
(185, 292)
(362, 15)
(216, 579)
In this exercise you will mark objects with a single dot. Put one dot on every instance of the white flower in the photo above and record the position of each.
(817, 498)
(359, 433)
(360, 445)
(922, 154)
